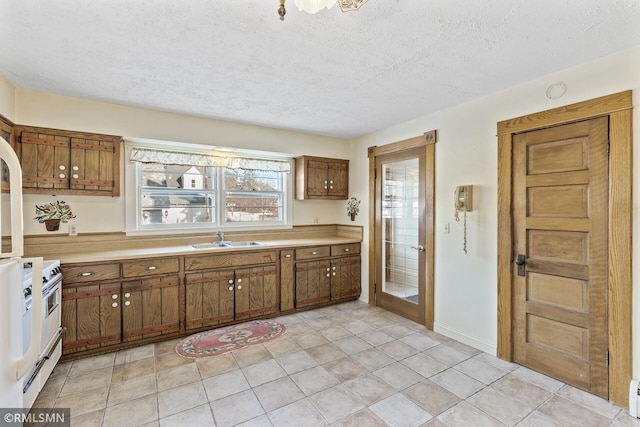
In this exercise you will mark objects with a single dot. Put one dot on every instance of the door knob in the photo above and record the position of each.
(418, 248)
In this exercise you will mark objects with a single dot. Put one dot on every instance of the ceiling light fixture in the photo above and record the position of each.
(315, 6)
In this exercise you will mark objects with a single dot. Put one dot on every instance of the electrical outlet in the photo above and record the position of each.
(316, 220)
(446, 229)
(73, 230)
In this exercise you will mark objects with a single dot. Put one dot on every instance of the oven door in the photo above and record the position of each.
(51, 314)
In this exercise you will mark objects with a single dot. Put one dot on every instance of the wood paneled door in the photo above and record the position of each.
(560, 193)
(565, 179)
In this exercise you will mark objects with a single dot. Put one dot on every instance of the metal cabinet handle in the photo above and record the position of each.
(62, 167)
(334, 273)
(87, 274)
(75, 176)
(331, 182)
(239, 280)
(239, 287)
(75, 168)
(328, 269)
(328, 275)
(230, 288)
(114, 305)
(127, 295)
(231, 281)
(331, 187)
(152, 267)
(61, 175)
(334, 267)
(127, 303)
(114, 296)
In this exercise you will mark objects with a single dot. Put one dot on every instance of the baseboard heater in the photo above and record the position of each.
(634, 398)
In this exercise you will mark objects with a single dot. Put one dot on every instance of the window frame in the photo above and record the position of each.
(133, 193)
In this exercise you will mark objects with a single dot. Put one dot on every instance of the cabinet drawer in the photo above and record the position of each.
(314, 252)
(90, 272)
(346, 249)
(204, 262)
(149, 267)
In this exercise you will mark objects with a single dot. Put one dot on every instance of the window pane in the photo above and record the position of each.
(166, 207)
(251, 207)
(179, 177)
(253, 196)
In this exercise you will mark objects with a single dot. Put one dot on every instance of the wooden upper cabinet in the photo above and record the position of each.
(6, 132)
(322, 178)
(67, 162)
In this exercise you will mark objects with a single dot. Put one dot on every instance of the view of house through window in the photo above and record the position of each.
(181, 196)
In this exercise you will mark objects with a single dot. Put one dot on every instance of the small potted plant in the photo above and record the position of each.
(353, 208)
(52, 214)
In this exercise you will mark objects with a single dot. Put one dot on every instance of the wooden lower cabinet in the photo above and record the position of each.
(150, 307)
(92, 315)
(114, 304)
(316, 275)
(222, 296)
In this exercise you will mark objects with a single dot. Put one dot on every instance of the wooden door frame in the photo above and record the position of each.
(427, 141)
(618, 107)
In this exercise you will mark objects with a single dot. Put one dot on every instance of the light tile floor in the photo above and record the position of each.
(346, 365)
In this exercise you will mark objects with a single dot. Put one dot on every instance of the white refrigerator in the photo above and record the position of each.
(14, 360)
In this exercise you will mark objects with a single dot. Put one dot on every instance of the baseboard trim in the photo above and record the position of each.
(465, 339)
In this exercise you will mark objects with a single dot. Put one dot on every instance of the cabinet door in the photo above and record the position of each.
(45, 160)
(313, 283)
(338, 180)
(91, 167)
(317, 178)
(256, 292)
(345, 278)
(209, 298)
(92, 316)
(287, 281)
(150, 307)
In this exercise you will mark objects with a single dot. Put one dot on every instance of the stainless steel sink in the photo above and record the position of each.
(241, 243)
(208, 245)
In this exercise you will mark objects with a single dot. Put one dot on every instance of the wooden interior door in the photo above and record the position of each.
(560, 193)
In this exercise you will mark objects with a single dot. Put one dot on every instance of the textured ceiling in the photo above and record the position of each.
(336, 74)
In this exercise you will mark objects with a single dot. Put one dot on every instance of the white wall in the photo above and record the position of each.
(106, 214)
(7, 98)
(466, 153)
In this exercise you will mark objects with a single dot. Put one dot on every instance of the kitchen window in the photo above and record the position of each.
(201, 191)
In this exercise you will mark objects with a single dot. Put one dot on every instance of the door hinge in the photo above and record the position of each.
(608, 147)
(607, 357)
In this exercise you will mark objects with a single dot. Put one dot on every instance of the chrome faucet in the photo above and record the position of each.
(220, 235)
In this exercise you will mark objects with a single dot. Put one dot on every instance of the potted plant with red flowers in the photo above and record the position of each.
(52, 214)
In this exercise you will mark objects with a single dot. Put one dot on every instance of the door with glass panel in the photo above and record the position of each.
(400, 220)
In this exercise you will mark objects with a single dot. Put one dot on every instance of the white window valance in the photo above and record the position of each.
(147, 155)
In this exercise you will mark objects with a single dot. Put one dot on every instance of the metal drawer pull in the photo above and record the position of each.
(86, 274)
(114, 296)
(287, 256)
(152, 267)
(314, 253)
(127, 303)
(127, 295)
(347, 249)
(114, 305)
